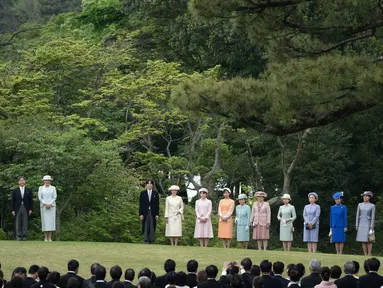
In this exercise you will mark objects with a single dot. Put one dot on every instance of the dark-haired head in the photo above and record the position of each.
(54, 277)
(169, 266)
(301, 268)
(192, 266)
(278, 267)
(232, 270)
(265, 266)
(100, 272)
(145, 272)
(33, 270)
(211, 271)
(171, 278)
(255, 270)
(373, 264)
(295, 275)
(20, 271)
(73, 283)
(289, 268)
(181, 279)
(43, 273)
(153, 277)
(73, 266)
(129, 274)
(236, 281)
(258, 282)
(115, 272)
(93, 267)
(356, 266)
(335, 272)
(246, 263)
(201, 276)
(117, 284)
(325, 273)
(16, 282)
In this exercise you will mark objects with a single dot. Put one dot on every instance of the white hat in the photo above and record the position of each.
(174, 187)
(47, 178)
(227, 189)
(260, 194)
(242, 196)
(203, 190)
(286, 196)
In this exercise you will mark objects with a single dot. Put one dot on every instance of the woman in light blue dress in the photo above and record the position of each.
(47, 196)
(286, 217)
(311, 215)
(365, 221)
(242, 219)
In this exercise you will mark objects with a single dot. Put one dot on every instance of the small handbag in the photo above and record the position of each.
(308, 227)
(371, 237)
(292, 228)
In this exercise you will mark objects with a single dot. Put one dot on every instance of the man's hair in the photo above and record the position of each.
(278, 267)
(181, 279)
(255, 270)
(301, 269)
(236, 281)
(356, 266)
(129, 274)
(73, 265)
(258, 282)
(192, 266)
(335, 272)
(315, 266)
(54, 277)
(169, 266)
(149, 181)
(115, 272)
(73, 283)
(171, 278)
(100, 272)
(43, 273)
(145, 272)
(153, 277)
(349, 268)
(211, 271)
(201, 276)
(21, 177)
(93, 268)
(144, 282)
(17, 282)
(289, 268)
(373, 264)
(33, 269)
(265, 266)
(246, 264)
(20, 271)
(295, 275)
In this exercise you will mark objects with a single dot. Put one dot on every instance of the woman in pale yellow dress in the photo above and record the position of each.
(174, 214)
(225, 211)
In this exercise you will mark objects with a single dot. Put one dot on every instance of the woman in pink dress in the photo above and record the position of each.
(260, 220)
(203, 229)
(225, 211)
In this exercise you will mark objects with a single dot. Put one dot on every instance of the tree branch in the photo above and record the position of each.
(217, 162)
(269, 4)
(9, 41)
(298, 153)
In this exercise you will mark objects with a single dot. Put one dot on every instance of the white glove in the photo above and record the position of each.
(247, 228)
(370, 232)
(330, 234)
(236, 221)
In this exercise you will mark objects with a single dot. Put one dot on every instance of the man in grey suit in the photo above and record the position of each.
(22, 208)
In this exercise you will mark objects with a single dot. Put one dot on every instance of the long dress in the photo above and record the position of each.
(288, 214)
(261, 218)
(48, 195)
(311, 214)
(338, 222)
(174, 211)
(225, 209)
(365, 220)
(203, 210)
(242, 214)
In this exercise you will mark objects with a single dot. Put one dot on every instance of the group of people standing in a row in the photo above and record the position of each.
(258, 218)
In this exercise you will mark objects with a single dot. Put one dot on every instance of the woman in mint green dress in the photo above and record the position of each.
(286, 217)
(242, 219)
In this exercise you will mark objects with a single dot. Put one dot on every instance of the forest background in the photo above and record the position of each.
(282, 96)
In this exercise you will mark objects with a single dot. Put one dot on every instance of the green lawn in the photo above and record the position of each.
(55, 256)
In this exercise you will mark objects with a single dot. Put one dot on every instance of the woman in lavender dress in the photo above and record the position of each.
(365, 222)
(311, 215)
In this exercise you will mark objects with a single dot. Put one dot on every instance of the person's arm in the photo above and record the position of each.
(305, 218)
(53, 202)
(345, 217)
(197, 213)
(372, 217)
(357, 216)
(166, 208)
(40, 196)
(231, 209)
(252, 215)
(209, 207)
(14, 201)
(279, 214)
(317, 215)
(158, 204)
(219, 209)
(140, 208)
(330, 218)
(181, 211)
(268, 209)
(248, 215)
(30, 199)
(294, 214)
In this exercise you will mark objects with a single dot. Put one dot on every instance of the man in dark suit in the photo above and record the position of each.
(18, 273)
(268, 281)
(73, 266)
(115, 274)
(372, 279)
(21, 208)
(191, 278)
(169, 266)
(31, 276)
(211, 273)
(43, 275)
(100, 274)
(129, 277)
(314, 278)
(247, 278)
(278, 268)
(148, 211)
(348, 281)
(89, 283)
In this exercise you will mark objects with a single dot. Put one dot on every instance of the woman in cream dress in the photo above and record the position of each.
(47, 196)
(174, 214)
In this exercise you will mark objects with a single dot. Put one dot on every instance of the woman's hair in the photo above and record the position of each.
(255, 270)
(301, 269)
(289, 268)
(325, 273)
(201, 276)
(236, 281)
(258, 282)
(181, 278)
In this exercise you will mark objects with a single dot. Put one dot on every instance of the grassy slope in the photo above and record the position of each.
(55, 255)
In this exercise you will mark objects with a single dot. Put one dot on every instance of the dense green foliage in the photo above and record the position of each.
(106, 93)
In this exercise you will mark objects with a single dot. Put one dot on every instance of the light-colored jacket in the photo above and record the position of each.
(261, 215)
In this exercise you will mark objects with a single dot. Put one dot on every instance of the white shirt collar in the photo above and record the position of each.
(72, 272)
(291, 283)
(280, 275)
(127, 281)
(100, 281)
(373, 272)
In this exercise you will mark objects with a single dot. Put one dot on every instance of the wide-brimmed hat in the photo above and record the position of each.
(367, 193)
(314, 194)
(260, 194)
(174, 187)
(47, 178)
(203, 190)
(226, 189)
(337, 195)
(242, 196)
(286, 196)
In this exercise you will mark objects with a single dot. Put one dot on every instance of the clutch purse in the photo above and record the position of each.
(308, 227)
(371, 237)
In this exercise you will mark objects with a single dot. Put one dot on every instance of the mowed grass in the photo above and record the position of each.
(55, 256)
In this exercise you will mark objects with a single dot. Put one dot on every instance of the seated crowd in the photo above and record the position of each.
(234, 275)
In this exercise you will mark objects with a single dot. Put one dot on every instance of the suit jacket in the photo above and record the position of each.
(28, 282)
(347, 281)
(43, 284)
(191, 280)
(99, 285)
(154, 203)
(311, 281)
(270, 282)
(89, 283)
(211, 283)
(64, 280)
(161, 281)
(128, 284)
(247, 279)
(16, 199)
(371, 280)
(110, 284)
(283, 281)
(261, 215)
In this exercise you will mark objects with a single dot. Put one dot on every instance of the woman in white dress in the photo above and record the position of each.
(174, 214)
(47, 196)
(203, 228)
